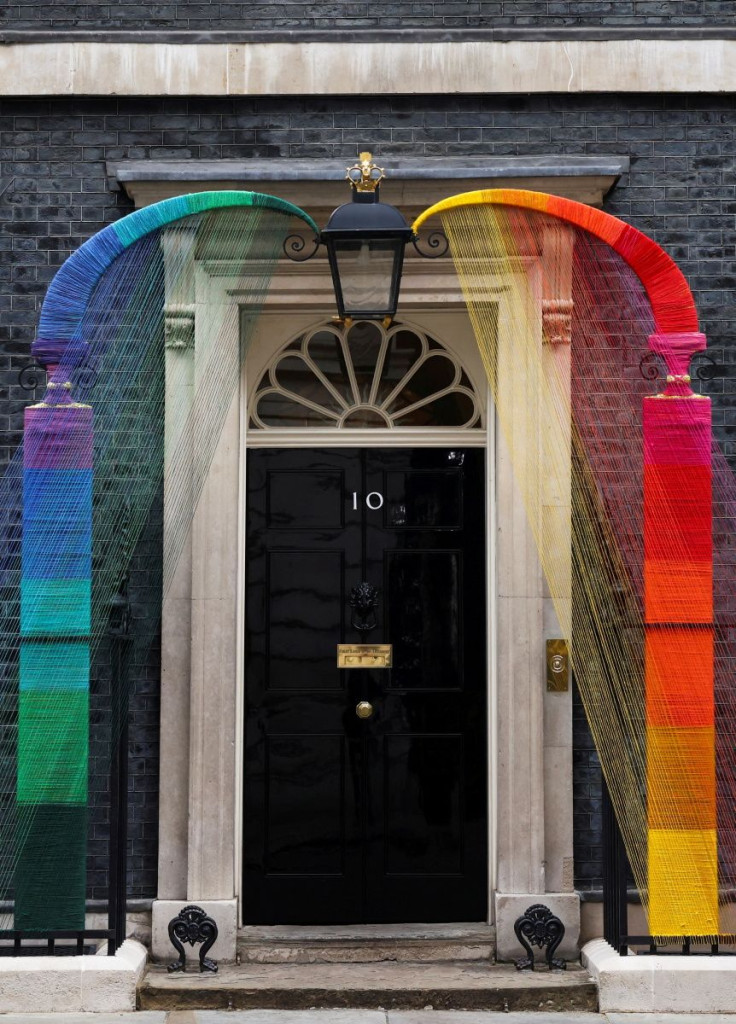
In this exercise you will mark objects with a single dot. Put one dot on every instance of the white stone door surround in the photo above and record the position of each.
(530, 741)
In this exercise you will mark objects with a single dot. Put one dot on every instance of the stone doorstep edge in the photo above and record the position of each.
(73, 984)
(582, 998)
(660, 984)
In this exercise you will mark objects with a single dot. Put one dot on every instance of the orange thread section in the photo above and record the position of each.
(679, 677)
(674, 592)
(681, 785)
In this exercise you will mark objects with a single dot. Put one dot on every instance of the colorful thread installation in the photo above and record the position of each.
(678, 589)
(622, 482)
(53, 703)
(603, 287)
(135, 297)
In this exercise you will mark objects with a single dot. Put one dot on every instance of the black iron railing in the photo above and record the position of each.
(615, 870)
(55, 943)
(615, 905)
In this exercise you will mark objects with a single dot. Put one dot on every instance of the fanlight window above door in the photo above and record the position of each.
(364, 375)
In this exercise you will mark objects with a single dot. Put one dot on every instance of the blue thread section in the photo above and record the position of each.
(57, 493)
(55, 607)
(57, 503)
(142, 222)
(71, 557)
(54, 667)
(69, 292)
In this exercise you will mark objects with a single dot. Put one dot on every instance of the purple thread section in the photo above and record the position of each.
(58, 437)
(48, 353)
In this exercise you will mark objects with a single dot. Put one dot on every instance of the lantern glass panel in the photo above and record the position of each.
(368, 271)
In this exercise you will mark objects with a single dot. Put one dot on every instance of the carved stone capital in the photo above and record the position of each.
(557, 321)
(179, 327)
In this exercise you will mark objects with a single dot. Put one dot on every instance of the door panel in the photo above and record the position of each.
(382, 819)
(306, 599)
(304, 835)
(423, 589)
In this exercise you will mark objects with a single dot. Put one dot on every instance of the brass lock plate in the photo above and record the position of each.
(558, 666)
(364, 655)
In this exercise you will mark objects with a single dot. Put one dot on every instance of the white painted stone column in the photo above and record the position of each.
(557, 307)
(179, 325)
(199, 628)
(535, 854)
(520, 654)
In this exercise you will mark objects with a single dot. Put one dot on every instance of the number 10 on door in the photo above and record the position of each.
(373, 500)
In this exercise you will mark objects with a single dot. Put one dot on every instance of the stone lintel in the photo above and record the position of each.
(412, 184)
(91, 67)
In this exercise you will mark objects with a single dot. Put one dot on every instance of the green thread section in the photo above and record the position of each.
(55, 607)
(50, 874)
(52, 746)
(129, 229)
(201, 202)
(54, 666)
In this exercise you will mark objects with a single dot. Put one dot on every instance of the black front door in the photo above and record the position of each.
(376, 819)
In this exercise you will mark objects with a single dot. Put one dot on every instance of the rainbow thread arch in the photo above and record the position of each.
(56, 577)
(678, 594)
(678, 580)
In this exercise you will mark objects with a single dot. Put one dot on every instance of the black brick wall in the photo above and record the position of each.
(681, 190)
(224, 14)
(587, 802)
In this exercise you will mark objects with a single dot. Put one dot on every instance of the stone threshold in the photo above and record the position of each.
(387, 986)
(417, 943)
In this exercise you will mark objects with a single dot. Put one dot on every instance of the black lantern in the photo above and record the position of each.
(365, 242)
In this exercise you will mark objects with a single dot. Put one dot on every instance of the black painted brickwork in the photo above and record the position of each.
(587, 802)
(434, 14)
(681, 190)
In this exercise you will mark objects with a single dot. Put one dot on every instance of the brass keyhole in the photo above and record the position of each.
(364, 709)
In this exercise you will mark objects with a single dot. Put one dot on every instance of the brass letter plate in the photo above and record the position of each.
(558, 666)
(364, 655)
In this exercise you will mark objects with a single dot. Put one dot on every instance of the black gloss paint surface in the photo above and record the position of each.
(384, 819)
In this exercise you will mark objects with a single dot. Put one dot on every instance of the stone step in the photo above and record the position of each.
(468, 985)
(423, 943)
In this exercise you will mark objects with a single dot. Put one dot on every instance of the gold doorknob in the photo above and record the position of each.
(364, 709)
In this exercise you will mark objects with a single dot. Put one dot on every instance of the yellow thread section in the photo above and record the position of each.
(502, 196)
(683, 883)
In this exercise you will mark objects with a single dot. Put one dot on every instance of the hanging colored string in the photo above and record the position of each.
(164, 276)
(562, 321)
